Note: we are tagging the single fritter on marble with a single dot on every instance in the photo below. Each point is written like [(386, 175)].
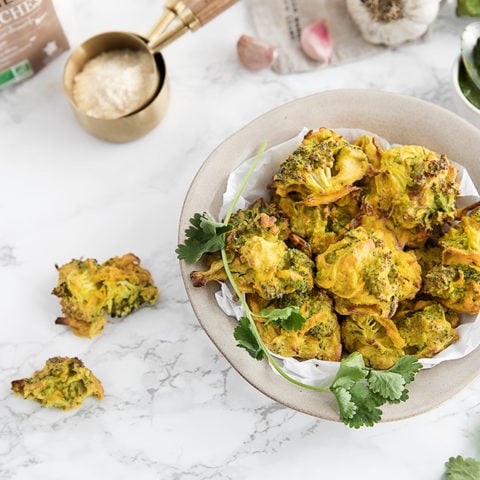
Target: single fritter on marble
[(62, 383), (90, 291)]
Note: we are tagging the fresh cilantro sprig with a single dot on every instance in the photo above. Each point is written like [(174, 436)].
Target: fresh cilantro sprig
[(360, 391), (459, 468), (204, 235), (288, 318)]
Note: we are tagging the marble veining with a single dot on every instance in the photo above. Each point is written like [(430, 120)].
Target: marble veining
[(174, 408)]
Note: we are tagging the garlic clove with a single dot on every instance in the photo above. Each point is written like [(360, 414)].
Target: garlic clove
[(316, 41), (254, 53)]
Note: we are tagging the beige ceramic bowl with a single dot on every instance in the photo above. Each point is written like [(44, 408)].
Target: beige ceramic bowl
[(462, 105), (398, 119)]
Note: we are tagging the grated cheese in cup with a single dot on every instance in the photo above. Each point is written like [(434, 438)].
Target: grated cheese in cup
[(113, 84)]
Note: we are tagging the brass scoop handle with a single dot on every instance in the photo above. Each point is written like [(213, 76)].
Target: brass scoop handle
[(189, 15), (206, 10)]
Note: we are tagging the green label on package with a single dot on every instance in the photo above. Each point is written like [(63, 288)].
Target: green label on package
[(18, 72)]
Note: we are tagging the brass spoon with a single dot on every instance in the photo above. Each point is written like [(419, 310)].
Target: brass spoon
[(184, 15)]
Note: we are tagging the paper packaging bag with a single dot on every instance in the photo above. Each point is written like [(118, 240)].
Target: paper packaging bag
[(30, 37), (280, 23)]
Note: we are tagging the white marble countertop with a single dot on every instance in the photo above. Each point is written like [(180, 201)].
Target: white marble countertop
[(174, 408)]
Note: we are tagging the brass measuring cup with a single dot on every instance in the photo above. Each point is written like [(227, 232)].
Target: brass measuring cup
[(179, 16)]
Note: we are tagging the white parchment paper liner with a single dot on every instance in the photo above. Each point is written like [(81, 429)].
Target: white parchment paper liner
[(320, 372)]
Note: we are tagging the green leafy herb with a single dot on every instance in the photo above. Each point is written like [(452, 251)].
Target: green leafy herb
[(459, 468), (246, 338), (203, 236), (287, 318), (360, 391)]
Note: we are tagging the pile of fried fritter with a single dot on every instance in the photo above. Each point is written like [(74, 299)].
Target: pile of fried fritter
[(367, 242)]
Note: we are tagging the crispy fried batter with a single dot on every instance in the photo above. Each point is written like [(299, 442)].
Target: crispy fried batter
[(415, 190), (90, 291), (376, 338), (62, 383), (425, 327), (320, 335), (323, 169), (366, 275)]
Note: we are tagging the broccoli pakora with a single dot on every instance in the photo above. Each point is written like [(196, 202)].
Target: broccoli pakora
[(415, 189), (461, 243), (319, 336), (375, 337), (90, 291), (323, 169), (421, 328), (367, 276), (259, 259), (451, 268), (426, 327), (454, 286), (320, 225), (62, 383)]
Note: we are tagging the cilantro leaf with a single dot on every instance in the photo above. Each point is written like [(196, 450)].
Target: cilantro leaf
[(288, 318), (203, 236), (367, 412), (459, 468), (407, 367), (360, 391), (246, 339), (346, 406), (389, 385), (352, 369)]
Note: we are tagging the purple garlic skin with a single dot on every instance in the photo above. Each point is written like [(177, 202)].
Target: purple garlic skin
[(316, 41), (255, 54)]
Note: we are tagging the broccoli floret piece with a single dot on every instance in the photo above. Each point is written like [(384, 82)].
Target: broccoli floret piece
[(322, 169), (63, 383), (89, 291)]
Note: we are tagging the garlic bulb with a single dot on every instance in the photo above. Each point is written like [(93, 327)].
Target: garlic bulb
[(255, 54), (393, 22)]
